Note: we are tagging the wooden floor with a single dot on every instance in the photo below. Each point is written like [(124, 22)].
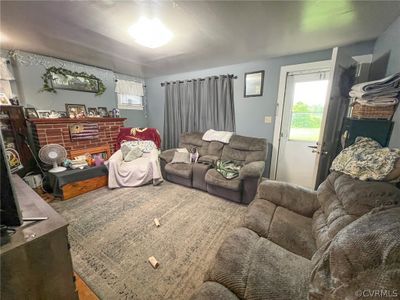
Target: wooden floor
[(84, 292)]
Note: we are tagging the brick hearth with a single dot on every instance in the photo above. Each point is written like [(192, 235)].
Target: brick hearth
[(56, 131)]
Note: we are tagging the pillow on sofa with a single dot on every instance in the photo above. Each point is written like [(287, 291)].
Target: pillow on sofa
[(181, 157), (125, 148), (130, 152), (133, 154), (144, 146)]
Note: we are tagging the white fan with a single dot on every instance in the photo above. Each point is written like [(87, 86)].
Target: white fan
[(53, 154)]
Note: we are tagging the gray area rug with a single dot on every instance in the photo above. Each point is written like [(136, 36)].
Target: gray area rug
[(112, 234)]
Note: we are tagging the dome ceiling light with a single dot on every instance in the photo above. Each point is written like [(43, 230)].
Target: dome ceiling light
[(150, 33)]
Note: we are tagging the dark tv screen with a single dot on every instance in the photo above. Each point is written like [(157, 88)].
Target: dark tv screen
[(10, 212)]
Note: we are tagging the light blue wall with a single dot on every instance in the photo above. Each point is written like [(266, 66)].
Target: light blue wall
[(249, 112), (29, 71), (390, 41)]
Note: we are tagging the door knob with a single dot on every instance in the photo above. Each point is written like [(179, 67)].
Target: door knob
[(313, 147)]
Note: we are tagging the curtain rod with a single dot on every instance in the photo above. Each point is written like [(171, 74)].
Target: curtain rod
[(201, 79)]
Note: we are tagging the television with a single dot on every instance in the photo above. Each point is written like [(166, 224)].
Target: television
[(9, 208)]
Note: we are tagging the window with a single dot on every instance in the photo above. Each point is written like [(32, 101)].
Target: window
[(307, 110), (130, 102), (130, 94)]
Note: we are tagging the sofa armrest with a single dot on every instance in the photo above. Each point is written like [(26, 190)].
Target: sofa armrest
[(293, 197), (167, 155), (253, 169)]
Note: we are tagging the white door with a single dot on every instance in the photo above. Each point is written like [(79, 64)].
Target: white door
[(303, 108)]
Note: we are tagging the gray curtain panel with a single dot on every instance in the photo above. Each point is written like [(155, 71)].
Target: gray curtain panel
[(198, 105)]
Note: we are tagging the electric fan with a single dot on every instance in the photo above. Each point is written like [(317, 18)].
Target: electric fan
[(53, 154)]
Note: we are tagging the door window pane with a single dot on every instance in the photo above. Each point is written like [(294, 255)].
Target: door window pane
[(307, 110)]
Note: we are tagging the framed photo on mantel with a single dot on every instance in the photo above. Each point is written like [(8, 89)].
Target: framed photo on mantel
[(254, 84)]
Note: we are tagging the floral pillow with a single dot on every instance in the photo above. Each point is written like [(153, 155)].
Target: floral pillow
[(144, 146), (130, 153)]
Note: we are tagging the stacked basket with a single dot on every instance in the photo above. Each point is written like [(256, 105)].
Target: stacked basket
[(376, 99)]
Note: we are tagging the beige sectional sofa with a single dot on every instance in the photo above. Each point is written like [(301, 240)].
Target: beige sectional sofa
[(248, 151), (341, 242)]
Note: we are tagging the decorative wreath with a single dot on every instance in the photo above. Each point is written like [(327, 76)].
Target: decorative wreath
[(47, 77)]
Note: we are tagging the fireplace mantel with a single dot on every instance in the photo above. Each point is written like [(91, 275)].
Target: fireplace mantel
[(68, 120), (56, 131)]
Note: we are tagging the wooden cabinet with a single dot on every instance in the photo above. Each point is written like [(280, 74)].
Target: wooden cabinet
[(15, 133), (379, 130), (36, 262)]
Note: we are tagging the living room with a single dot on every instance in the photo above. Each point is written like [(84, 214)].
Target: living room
[(200, 150)]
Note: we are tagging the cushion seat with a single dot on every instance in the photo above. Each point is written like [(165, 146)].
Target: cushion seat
[(182, 170), (292, 232), (281, 226), (215, 178), (215, 291), (211, 159), (259, 216), (255, 268)]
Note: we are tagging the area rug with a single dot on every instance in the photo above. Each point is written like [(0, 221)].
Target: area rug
[(112, 235)]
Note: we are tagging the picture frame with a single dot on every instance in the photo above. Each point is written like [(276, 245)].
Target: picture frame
[(76, 110), (4, 99), (92, 112), (43, 113), (102, 111), (74, 82), (254, 84), (31, 113), (62, 114)]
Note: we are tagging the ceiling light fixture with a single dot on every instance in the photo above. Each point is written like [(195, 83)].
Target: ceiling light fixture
[(150, 32)]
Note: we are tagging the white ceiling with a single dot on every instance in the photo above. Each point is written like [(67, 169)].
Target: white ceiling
[(206, 34)]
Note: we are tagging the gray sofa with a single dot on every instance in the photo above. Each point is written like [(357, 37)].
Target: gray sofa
[(341, 242), (248, 151)]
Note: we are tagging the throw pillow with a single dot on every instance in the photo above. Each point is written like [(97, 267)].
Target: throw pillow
[(181, 157), (145, 146), (125, 148), (133, 154)]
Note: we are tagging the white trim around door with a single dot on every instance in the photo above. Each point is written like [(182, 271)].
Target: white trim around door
[(285, 70)]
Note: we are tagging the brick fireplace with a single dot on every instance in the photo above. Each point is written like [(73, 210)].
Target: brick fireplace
[(56, 131)]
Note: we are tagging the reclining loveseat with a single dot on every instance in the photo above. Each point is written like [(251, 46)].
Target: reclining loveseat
[(246, 151)]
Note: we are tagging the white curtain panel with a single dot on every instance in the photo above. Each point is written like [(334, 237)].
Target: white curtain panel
[(129, 88)]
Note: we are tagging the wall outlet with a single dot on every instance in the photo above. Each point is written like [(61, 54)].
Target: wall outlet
[(268, 119)]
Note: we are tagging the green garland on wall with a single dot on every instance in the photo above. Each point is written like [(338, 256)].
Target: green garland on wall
[(47, 77)]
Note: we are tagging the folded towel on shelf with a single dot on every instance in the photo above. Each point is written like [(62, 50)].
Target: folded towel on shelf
[(387, 83), (383, 92), (378, 101), (390, 93)]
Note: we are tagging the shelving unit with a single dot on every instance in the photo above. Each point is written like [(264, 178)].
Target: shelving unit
[(15, 132)]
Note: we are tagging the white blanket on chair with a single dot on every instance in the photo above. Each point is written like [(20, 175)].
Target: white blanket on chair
[(134, 173)]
